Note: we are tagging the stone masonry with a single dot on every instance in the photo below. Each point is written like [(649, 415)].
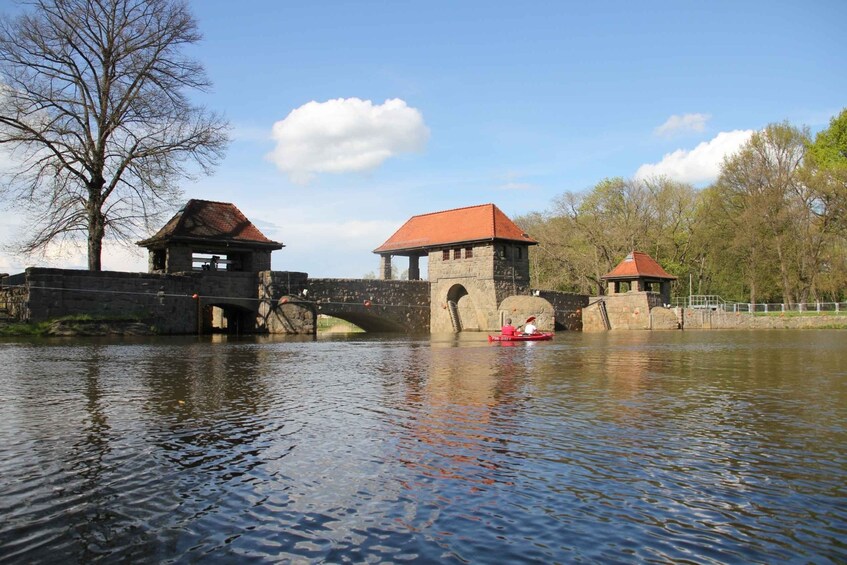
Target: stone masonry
[(477, 284)]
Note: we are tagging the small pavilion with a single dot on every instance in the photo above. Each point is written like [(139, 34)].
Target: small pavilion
[(209, 236), (639, 272)]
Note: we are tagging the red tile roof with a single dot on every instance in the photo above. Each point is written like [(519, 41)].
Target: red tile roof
[(203, 220), (461, 225), (638, 265)]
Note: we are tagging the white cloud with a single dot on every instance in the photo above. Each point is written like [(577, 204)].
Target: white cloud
[(680, 124), (699, 165), (344, 135)]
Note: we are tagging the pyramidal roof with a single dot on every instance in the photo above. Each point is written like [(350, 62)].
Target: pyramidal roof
[(204, 220), (638, 265), (485, 222)]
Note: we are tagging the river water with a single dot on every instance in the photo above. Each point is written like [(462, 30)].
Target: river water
[(702, 447)]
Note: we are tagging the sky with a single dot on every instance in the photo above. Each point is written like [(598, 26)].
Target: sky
[(350, 117)]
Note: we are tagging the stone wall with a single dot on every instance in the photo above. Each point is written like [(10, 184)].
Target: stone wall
[(374, 304), (12, 297), (477, 284), (567, 308), (520, 308), (284, 308), (629, 311), (706, 319), (162, 301)]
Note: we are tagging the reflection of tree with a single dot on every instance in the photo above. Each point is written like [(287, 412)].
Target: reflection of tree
[(90, 460), (212, 402)]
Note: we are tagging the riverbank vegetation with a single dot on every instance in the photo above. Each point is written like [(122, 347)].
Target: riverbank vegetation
[(78, 325), (771, 228), (330, 324)]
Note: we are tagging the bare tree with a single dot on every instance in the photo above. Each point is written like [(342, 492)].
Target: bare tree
[(93, 105)]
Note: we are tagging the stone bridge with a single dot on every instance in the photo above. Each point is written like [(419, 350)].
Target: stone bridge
[(291, 301), (202, 301), (374, 305)]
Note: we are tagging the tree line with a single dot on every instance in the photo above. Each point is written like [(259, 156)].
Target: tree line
[(771, 228)]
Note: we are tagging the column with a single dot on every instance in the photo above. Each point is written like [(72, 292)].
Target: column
[(385, 267), (414, 268)]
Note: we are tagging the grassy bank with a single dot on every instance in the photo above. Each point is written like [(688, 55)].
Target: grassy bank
[(804, 314), (336, 325), (82, 324)]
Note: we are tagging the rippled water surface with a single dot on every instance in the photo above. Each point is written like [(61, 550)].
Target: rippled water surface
[(623, 447)]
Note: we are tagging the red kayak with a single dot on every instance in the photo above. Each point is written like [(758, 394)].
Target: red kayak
[(544, 336)]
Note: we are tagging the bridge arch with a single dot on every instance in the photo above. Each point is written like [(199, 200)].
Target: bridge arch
[(227, 317), (292, 301), (369, 322)]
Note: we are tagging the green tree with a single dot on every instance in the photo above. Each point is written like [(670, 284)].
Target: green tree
[(587, 234), (93, 104), (826, 171), (825, 182), (760, 187)]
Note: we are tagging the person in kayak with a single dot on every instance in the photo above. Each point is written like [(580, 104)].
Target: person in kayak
[(530, 329), (508, 329)]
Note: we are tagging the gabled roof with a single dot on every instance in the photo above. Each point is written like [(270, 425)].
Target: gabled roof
[(213, 222), (638, 265), (461, 225)]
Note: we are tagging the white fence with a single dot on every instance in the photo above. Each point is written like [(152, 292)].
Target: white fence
[(712, 302)]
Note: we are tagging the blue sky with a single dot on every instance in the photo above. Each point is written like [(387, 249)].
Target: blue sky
[(350, 117)]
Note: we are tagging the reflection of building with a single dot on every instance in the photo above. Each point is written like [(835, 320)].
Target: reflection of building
[(210, 236), (457, 402), (477, 257)]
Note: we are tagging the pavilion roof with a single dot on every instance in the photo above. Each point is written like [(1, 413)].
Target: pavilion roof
[(638, 265), (214, 222), (485, 222)]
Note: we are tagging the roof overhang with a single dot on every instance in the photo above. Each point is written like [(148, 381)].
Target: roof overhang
[(424, 249), (637, 277), (210, 243)]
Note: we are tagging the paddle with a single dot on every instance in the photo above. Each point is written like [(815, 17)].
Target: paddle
[(528, 320)]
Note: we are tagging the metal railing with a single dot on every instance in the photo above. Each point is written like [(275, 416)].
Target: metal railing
[(800, 308), (714, 302)]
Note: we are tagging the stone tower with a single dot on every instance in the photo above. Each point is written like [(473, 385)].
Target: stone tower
[(477, 257)]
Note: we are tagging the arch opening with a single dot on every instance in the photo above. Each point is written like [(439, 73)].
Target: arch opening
[(228, 319), (366, 321), (462, 311)]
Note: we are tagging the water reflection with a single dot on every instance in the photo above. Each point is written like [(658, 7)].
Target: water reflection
[(635, 446)]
